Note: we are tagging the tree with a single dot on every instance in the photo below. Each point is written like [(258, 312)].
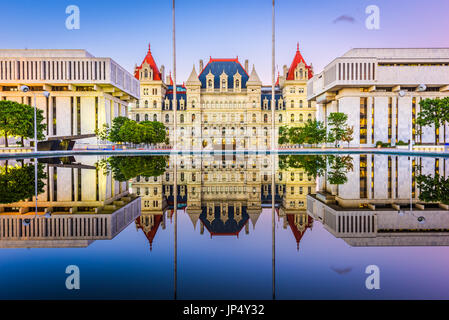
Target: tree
[(126, 168), (127, 130), (314, 132), (296, 135), (103, 133), (17, 183), (337, 124), (17, 120), (313, 165), (116, 133), (433, 189), (433, 112), (283, 135), (348, 135), (339, 168)]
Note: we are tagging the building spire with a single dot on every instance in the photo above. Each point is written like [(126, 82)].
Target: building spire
[(149, 47), (297, 46)]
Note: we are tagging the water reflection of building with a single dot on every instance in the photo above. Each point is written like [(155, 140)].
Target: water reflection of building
[(79, 204), (379, 204), (225, 194)]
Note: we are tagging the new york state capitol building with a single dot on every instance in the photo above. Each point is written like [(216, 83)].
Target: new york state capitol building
[(225, 106)]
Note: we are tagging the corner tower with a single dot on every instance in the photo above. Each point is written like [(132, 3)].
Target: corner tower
[(152, 90)]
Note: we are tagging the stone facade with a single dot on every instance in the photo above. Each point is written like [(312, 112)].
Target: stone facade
[(225, 106)]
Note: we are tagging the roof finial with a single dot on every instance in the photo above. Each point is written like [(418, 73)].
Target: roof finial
[(149, 47), (297, 46)]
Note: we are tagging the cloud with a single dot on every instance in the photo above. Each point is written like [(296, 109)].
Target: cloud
[(342, 271), (345, 18)]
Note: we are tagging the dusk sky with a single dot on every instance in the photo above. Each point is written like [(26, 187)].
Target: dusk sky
[(223, 29)]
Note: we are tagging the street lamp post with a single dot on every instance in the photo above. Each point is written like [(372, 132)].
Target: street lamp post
[(46, 94)]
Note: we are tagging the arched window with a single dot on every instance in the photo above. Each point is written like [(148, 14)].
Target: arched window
[(280, 118), (300, 103), (146, 117), (254, 117), (265, 118), (254, 103), (193, 103), (154, 104), (301, 73), (301, 118), (292, 118), (155, 117), (193, 117), (146, 103), (292, 104), (167, 118), (181, 118), (210, 83), (237, 83), (146, 73), (309, 116), (223, 83), (137, 117)]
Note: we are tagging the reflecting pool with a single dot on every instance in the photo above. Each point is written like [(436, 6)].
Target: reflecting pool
[(225, 226)]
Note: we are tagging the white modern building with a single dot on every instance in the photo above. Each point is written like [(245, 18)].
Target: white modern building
[(380, 90), (379, 203), (85, 92), (79, 203)]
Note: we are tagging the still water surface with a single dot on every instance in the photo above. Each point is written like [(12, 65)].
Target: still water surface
[(323, 218)]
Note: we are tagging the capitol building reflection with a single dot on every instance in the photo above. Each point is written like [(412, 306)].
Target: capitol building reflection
[(365, 200), (225, 194)]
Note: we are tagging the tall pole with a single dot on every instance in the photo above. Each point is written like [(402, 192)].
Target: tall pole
[(175, 226), (175, 162), (273, 184), (175, 104), (273, 70), (35, 186), (35, 124)]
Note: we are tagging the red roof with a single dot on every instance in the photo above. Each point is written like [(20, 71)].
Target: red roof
[(296, 60), (152, 233), (150, 61), (298, 234)]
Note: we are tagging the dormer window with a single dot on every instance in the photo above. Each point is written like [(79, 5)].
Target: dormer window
[(210, 81), (265, 104), (145, 73), (237, 82), (224, 82)]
